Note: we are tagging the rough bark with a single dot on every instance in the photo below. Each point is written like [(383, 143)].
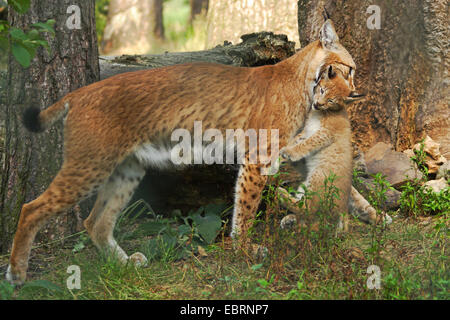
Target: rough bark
[(255, 50), (30, 160), (141, 19), (404, 67), (228, 20)]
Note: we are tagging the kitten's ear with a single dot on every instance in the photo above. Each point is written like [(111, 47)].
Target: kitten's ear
[(328, 36)]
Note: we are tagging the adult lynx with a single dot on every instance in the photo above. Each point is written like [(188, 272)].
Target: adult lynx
[(117, 127)]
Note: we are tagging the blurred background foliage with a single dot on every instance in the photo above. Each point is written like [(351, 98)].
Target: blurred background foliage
[(183, 30)]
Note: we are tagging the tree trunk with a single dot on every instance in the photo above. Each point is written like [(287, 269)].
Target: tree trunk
[(403, 66), (228, 20), (198, 7), (133, 27), (158, 31), (31, 161)]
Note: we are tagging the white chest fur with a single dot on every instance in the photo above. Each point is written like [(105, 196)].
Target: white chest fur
[(312, 125)]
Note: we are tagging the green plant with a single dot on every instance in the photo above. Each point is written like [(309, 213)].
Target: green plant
[(23, 44), (417, 200), (6, 290), (420, 157), (101, 16), (172, 241), (377, 198)]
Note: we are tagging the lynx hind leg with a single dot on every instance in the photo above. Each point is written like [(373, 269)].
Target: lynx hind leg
[(361, 209), (111, 200), (249, 186), (70, 186)]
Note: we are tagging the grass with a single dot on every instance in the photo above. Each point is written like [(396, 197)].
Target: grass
[(413, 266), (190, 262)]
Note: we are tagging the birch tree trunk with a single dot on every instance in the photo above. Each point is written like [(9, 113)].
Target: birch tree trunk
[(228, 20), (404, 66), (31, 161)]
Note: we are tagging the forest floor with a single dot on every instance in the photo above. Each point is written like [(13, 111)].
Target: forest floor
[(410, 253)]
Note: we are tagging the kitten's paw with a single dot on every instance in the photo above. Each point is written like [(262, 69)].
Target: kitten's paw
[(383, 218), (387, 219), (288, 222), (288, 155), (138, 259)]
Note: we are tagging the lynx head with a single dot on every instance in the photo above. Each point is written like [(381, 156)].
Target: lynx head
[(331, 53), (334, 89)]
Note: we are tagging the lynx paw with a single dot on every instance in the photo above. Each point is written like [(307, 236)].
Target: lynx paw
[(138, 259), (288, 155), (288, 222), (12, 278), (387, 219)]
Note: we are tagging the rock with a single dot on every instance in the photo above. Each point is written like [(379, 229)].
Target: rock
[(444, 171), (409, 152), (430, 147), (437, 185), (377, 151), (392, 196), (434, 158), (359, 161), (434, 165), (396, 166)]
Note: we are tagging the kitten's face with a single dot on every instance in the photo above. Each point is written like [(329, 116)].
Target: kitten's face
[(335, 89)]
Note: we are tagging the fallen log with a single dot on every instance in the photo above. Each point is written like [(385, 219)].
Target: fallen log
[(256, 49)]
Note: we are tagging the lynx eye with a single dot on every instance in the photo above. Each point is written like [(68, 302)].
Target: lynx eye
[(322, 91)]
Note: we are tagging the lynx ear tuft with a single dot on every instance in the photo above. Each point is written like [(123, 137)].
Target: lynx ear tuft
[(328, 36)]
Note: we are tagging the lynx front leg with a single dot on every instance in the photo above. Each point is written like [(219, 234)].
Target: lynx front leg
[(302, 148), (249, 187)]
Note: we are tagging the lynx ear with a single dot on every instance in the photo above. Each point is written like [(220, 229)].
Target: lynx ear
[(328, 36)]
